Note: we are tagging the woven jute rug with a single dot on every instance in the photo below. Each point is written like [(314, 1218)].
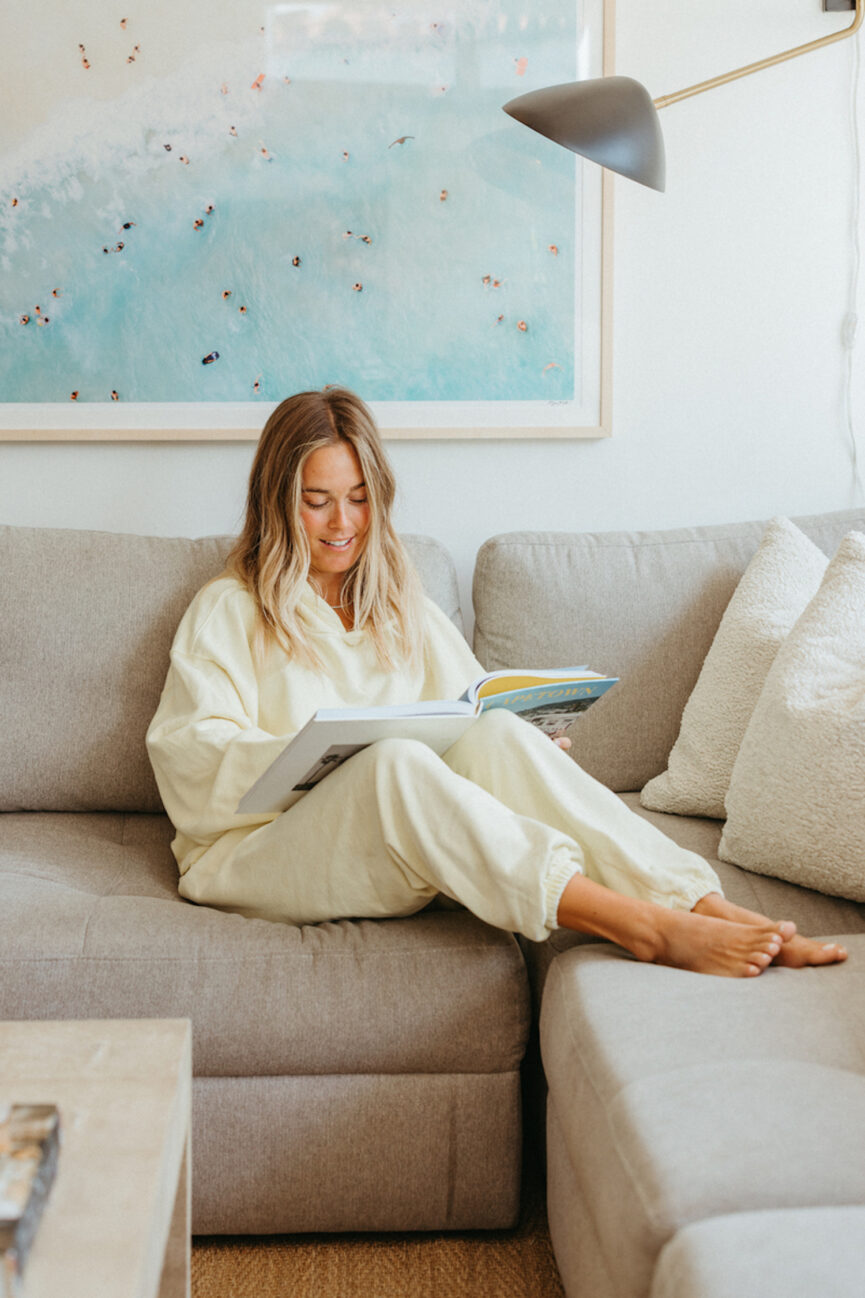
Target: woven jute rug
[(495, 1264)]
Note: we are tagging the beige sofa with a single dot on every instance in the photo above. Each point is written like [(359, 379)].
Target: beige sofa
[(687, 1116), (347, 1076), (366, 1075)]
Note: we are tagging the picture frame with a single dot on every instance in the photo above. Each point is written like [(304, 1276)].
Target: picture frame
[(509, 179)]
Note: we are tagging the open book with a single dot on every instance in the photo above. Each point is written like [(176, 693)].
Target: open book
[(548, 699)]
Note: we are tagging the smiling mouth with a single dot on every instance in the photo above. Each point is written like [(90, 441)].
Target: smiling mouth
[(338, 545)]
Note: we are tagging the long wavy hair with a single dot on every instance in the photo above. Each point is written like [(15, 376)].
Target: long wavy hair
[(272, 555)]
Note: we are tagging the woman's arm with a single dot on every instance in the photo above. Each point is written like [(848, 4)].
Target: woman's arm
[(205, 748)]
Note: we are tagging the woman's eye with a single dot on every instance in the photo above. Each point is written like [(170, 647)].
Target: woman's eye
[(358, 502)]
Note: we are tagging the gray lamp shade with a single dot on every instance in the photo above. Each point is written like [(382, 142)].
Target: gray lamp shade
[(611, 121)]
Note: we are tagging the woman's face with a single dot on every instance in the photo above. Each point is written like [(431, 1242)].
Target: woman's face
[(335, 514)]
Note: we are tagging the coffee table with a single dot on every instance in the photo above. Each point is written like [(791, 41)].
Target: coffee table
[(116, 1223)]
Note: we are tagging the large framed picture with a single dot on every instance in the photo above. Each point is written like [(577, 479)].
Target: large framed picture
[(204, 210)]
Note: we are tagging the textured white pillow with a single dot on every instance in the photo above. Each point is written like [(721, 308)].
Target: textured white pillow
[(796, 805), (774, 589)]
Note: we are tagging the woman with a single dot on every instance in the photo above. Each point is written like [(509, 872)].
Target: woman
[(319, 607)]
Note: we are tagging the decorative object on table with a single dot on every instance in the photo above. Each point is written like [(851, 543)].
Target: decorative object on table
[(29, 1143), (613, 120)]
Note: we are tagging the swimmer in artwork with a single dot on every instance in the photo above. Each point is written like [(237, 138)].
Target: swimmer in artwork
[(402, 139), (295, 261), (210, 358)]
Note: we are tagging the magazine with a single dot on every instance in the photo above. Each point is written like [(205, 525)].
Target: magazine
[(549, 699)]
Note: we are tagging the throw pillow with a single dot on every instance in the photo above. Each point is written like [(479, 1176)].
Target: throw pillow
[(774, 589), (796, 804)]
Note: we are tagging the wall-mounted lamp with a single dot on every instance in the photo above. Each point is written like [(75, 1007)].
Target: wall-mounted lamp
[(614, 121)]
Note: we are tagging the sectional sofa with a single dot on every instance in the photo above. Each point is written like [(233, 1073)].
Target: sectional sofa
[(370, 1075)]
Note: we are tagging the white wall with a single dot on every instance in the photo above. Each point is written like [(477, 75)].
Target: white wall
[(730, 294)]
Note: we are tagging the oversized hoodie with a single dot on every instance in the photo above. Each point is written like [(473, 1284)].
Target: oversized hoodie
[(224, 716)]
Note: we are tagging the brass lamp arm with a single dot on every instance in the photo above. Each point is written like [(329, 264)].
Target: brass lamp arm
[(665, 100)]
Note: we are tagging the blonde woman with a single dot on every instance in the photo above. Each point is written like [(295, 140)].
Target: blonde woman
[(319, 607)]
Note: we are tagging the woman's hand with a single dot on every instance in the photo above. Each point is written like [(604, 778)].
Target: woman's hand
[(560, 739)]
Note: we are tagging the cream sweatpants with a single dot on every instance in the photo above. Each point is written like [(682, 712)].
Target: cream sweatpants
[(500, 823)]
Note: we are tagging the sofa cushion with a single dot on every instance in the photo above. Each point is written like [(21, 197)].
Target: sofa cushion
[(681, 1096), (643, 606), (796, 804), (778, 583), (797, 1253), (91, 926), (88, 619)]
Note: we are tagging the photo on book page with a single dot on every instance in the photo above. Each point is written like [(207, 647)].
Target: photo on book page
[(329, 761), (556, 717)]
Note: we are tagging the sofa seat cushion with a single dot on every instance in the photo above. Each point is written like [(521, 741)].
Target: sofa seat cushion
[(91, 926), (814, 913), (681, 1096), (796, 1253)]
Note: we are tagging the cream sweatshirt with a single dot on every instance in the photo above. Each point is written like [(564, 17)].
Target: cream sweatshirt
[(223, 717)]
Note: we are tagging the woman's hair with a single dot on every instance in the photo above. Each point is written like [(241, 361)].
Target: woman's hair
[(272, 556)]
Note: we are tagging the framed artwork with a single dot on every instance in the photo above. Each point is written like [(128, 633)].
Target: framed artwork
[(204, 210)]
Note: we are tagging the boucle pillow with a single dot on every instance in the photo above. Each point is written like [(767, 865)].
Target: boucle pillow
[(782, 577), (796, 804)]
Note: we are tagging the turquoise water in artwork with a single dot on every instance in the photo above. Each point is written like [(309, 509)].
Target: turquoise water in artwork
[(342, 200)]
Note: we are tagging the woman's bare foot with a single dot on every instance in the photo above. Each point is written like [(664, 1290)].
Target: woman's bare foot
[(796, 952), (681, 938), (715, 946)]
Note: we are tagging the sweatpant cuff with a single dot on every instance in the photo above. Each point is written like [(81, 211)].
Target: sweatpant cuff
[(562, 869), (688, 897)]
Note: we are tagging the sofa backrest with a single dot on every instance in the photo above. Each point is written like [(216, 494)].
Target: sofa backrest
[(86, 623), (643, 606)]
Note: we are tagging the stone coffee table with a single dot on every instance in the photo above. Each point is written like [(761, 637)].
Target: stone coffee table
[(116, 1222)]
